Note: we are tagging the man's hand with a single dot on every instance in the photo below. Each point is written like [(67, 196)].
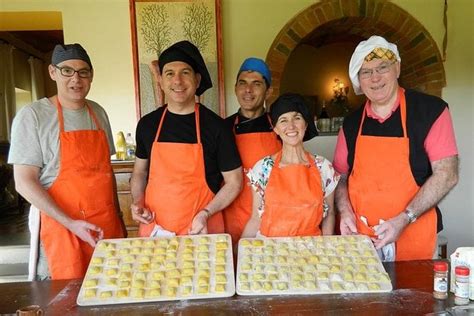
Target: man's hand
[(347, 224), (343, 204), (141, 214), (86, 231), (199, 224), (390, 230), (138, 183)]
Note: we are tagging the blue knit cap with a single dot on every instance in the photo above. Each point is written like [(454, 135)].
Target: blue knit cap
[(258, 65)]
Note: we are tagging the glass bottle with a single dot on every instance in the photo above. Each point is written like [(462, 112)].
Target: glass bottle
[(120, 146), (440, 281), (130, 147), (461, 290), (324, 122), (324, 113)]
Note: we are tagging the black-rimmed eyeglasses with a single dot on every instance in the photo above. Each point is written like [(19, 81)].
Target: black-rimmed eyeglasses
[(69, 72)]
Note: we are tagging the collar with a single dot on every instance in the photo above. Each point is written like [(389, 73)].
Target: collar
[(242, 119), (371, 113)]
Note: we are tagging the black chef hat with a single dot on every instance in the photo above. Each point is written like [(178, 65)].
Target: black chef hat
[(292, 102), (186, 52), (63, 52)]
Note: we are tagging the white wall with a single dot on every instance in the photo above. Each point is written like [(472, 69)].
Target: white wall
[(458, 206), (322, 145)]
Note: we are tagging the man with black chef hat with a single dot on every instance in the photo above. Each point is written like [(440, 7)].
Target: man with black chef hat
[(187, 166)]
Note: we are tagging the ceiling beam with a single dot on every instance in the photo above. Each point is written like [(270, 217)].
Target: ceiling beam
[(21, 45)]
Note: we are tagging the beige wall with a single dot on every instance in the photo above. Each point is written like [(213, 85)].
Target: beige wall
[(103, 28), (249, 27)]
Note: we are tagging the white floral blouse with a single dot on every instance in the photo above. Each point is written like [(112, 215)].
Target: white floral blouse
[(259, 175)]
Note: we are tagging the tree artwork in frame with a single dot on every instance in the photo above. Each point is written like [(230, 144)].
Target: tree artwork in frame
[(156, 25)]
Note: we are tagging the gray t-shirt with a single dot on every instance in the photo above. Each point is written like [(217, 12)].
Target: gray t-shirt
[(35, 135)]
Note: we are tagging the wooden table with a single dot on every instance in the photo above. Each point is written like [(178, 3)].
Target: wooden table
[(411, 295)]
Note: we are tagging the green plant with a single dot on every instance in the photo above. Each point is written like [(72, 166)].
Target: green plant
[(155, 29), (197, 24)]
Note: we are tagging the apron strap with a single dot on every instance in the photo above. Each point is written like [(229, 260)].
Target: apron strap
[(236, 121), (61, 115), (403, 110), (278, 158), (401, 97), (94, 117), (279, 155), (196, 116)]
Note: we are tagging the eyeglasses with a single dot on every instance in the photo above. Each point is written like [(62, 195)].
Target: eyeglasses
[(69, 72), (367, 73)]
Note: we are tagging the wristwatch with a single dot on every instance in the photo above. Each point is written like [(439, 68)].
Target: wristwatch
[(411, 216)]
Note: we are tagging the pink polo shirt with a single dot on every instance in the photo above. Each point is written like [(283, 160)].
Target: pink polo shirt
[(439, 143)]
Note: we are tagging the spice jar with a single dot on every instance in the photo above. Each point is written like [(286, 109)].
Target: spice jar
[(440, 280), (461, 285)]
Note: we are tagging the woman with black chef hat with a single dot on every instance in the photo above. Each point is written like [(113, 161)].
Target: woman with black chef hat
[(293, 189)]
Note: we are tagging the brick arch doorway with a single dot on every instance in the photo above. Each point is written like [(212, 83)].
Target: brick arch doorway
[(422, 65)]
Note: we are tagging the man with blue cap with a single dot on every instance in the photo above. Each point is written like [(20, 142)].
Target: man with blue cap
[(187, 167), (254, 135), (60, 149)]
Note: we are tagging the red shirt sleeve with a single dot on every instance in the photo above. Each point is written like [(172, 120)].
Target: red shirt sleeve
[(440, 142), (340, 154)]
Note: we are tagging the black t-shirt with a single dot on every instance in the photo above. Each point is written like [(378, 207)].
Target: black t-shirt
[(422, 111), (259, 124), (220, 151)]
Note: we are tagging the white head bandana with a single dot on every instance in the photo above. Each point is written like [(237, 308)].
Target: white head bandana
[(362, 50)]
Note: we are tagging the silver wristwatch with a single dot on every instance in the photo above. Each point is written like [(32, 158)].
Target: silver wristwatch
[(411, 216)]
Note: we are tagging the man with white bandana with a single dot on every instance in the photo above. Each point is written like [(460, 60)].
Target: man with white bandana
[(397, 156)]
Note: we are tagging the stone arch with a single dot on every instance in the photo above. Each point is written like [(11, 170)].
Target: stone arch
[(422, 65)]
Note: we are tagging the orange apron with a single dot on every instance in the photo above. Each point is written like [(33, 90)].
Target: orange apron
[(293, 200), (177, 189), (84, 191), (381, 185), (252, 147)]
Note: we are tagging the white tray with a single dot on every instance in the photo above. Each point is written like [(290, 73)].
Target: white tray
[(133, 270), (309, 265)]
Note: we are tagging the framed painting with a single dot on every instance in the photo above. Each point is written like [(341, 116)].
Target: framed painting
[(156, 25)]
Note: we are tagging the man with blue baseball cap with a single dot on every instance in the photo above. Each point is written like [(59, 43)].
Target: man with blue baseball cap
[(253, 134)]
